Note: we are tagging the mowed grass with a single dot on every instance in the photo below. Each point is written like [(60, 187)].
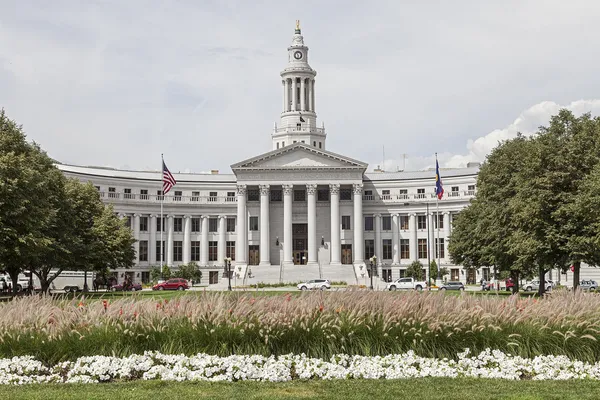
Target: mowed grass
[(427, 388)]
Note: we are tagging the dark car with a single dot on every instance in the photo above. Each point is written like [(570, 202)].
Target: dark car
[(453, 286), (172, 284), (119, 287)]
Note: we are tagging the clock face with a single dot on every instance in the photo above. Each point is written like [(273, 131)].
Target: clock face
[(298, 55)]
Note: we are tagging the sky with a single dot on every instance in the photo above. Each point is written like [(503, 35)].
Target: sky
[(116, 83)]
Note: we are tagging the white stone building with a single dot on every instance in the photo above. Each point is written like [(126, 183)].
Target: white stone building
[(296, 212)]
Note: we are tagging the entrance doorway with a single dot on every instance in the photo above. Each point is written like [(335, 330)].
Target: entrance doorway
[(299, 243), (253, 255), (346, 254), (386, 274)]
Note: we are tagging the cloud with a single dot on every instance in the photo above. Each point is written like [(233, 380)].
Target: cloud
[(526, 123)]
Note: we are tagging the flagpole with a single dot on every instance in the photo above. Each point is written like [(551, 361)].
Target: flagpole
[(162, 198), (437, 223)]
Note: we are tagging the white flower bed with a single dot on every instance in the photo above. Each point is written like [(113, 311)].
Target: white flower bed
[(152, 365)]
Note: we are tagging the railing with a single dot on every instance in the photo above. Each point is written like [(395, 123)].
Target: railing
[(418, 197), (301, 128), (151, 198)]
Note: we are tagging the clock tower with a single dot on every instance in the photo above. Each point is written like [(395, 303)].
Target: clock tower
[(298, 122)]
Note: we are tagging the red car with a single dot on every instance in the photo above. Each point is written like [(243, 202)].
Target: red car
[(172, 284), (509, 284)]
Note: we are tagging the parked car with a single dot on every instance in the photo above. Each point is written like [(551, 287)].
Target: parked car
[(315, 284), (452, 285), (588, 285), (535, 285), (406, 284), (119, 287), (172, 284), (510, 284)]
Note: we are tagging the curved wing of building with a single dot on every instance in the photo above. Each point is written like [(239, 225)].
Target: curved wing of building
[(296, 212)]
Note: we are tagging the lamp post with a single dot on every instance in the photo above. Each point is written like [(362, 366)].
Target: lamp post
[(373, 261), (228, 269)]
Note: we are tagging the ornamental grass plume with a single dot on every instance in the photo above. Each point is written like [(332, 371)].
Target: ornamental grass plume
[(317, 324)]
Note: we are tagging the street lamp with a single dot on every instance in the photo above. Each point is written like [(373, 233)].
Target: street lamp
[(228, 269), (373, 261)]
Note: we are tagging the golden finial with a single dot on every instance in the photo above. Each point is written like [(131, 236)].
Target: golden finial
[(297, 24)]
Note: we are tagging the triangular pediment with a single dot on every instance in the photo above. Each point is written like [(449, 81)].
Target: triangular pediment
[(299, 156)]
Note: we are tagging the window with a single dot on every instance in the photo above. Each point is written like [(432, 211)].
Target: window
[(277, 145), (127, 194), (196, 224), (345, 222), (385, 194), (144, 194), (128, 221), (177, 195), (404, 222), (143, 224), (440, 247), (386, 222), (322, 194), (420, 193), (230, 224), (368, 223), (212, 196), (253, 195), (298, 127), (230, 250), (422, 247), (159, 251), (422, 221), (454, 191), (314, 143), (213, 224), (470, 190), (160, 224), (387, 249), (404, 249), (253, 226), (177, 250), (276, 195), (345, 194), (97, 188), (282, 144), (112, 192), (368, 195), (159, 195), (212, 251), (143, 256), (369, 248), (145, 277), (320, 145), (195, 250), (178, 224), (299, 195), (403, 194), (439, 220), (230, 196), (195, 196)]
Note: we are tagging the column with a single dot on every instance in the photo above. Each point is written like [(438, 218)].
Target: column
[(170, 240), (294, 97), (378, 243), (241, 247), (187, 239), (302, 95), (336, 252), (265, 249), (310, 95), (446, 234), (431, 237), (313, 95), (395, 240), (412, 228), (311, 191), (288, 191), (359, 242), (152, 244), (222, 243), (204, 241), (283, 83), (136, 236)]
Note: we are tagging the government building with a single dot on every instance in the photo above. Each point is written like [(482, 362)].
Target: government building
[(298, 211)]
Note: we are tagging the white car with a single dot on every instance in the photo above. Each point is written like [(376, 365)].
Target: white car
[(406, 284), (534, 285), (315, 284)]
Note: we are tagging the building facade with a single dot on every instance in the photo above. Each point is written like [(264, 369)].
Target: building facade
[(296, 212)]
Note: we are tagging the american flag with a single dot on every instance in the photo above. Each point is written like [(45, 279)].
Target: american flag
[(167, 178)]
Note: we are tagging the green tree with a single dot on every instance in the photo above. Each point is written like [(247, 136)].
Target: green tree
[(415, 270), (189, 271)]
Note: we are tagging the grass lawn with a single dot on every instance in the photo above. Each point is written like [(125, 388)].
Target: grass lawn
[(429, 388)]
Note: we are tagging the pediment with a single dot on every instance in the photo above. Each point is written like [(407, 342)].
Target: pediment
[(299, 156)]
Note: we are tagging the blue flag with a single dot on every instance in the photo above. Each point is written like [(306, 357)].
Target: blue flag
[(439, 189)]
